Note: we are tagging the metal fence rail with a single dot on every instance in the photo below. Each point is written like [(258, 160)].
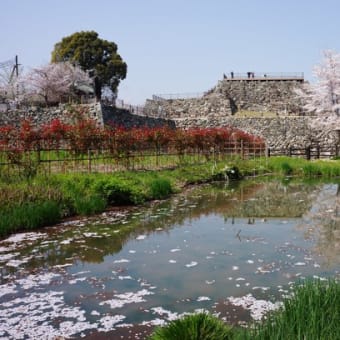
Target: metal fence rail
[(265, 75), (65, 159), (135, 109), (93, 156), (169, 96)]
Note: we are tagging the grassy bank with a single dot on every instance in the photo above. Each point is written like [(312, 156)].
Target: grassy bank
[(312, 312), (26, 205), (288, 166), (45, 200)]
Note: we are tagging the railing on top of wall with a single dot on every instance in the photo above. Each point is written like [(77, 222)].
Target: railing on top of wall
[(168, 96), (264, 75), (134, 109)]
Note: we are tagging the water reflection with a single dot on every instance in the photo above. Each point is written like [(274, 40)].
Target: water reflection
[(152, 263), (321, 223), (92, 239)]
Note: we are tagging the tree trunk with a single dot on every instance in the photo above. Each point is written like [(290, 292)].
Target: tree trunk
[(97, 88)]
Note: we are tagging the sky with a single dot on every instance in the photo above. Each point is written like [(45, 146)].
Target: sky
[(178, 46)]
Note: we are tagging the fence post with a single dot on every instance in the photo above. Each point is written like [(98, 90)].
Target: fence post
[(89, 160), (308, 153), (318, 151), (242, 150), (49, 160), (267, 151)]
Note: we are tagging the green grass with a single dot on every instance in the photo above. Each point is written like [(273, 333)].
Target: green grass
[(200, 326), (45, 199), (29, 216), (311, 170), (90, 193), (160, 188), (303, 168), (312, 312), (89, 204)]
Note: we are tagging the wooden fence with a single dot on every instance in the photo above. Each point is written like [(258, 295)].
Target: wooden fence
[(309, 152)]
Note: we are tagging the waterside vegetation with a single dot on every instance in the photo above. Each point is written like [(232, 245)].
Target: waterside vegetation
[(32, 203), (312, 311)]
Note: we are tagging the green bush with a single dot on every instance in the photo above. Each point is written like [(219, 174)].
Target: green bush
[(119, 191), (200, 326), (227, 173), (160, 188), (286, 169)]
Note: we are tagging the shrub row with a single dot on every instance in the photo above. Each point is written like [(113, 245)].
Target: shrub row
[(84, 134)]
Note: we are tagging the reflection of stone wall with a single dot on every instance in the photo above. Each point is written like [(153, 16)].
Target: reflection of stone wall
[(245, 199), (273, 199)]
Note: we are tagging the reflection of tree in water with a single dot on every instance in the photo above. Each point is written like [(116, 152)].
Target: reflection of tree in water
[(322, 223)]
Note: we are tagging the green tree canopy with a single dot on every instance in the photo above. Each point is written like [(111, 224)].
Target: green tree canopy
[(97, 56)]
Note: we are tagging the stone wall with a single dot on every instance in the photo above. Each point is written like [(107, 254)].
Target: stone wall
[(207, 106), (283, 126), (43, 115), (261, 95), (103, 114), (231, 96), (278, 132), (121, 117)]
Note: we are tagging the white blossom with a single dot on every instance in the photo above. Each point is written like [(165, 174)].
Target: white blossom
[(53, 82), (322, 98)]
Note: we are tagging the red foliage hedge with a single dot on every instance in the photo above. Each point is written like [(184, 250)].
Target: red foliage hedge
[(85, 134)]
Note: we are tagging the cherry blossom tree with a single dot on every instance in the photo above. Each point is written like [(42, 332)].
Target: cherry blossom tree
[(54, 82), (322, 98)]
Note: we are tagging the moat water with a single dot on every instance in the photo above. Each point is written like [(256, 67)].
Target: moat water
[(233, 250)]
